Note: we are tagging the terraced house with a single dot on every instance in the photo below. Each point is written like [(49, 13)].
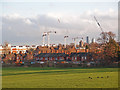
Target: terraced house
[(74, 57)]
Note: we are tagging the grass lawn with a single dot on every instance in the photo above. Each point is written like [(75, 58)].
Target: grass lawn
[(29, 77)]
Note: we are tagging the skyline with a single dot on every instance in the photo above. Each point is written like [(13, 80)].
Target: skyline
[(26, 22)]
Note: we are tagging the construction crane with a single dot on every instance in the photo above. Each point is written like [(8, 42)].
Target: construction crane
[(48, 36), (104, 37), (74, 39), (43, 36), (65, 37), (98, 24)]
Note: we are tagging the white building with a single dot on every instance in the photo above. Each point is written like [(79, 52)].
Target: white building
[(1, 48), (17, 49)]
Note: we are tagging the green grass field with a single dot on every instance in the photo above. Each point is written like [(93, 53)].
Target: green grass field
[(29, 77)]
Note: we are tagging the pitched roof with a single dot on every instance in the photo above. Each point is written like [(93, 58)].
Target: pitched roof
[(51, 55), (78, 54)]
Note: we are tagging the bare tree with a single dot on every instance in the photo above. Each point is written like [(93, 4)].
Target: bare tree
[(111, 35), (105, 37), (6, 49)]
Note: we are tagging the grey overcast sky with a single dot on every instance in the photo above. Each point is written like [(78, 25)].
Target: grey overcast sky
[(24, 22)]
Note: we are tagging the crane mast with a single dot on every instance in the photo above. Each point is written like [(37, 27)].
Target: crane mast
[(74, 39), (65, 37), (43, 36)]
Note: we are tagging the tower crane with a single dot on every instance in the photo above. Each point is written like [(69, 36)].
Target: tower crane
[(48, 33), (104, 37), (98, 24), (65, 37)]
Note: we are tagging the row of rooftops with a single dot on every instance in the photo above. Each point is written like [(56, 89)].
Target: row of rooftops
[(35, 46), (9, 45), (60, 54)]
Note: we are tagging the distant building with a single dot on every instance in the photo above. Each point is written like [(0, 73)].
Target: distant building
[(5, 49), (17, 49), (93, 40), (81, 43), (1, 49), (87, 39)]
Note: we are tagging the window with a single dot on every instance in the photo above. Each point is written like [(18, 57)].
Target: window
[(37, 59), (41, 58), (61, 58), (67, 58), (72, 58), (75, 58), (50, 58), (46, 58), (82, 58)]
